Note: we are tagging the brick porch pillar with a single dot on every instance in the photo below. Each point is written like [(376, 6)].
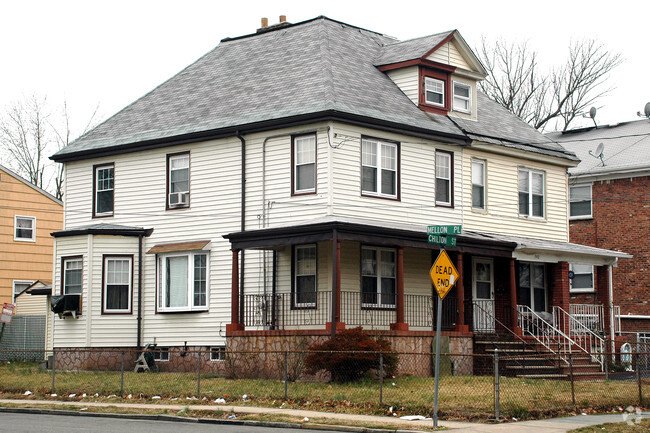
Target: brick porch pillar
[(602, 296), (335, 322), (400, 324), (560, 295), (235, 324)]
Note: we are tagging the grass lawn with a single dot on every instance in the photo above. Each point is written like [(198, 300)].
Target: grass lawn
[(461, 397), (622, 427)]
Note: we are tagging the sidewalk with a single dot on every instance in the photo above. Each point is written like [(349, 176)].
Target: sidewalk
[(555, 425)]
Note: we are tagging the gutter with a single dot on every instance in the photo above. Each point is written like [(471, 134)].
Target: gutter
[(242, 223), (267, 125), (139, 339)]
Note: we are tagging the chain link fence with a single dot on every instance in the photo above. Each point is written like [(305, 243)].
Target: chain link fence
[(471, 386)]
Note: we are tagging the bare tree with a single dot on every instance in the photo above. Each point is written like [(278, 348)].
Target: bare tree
[(515, 80), (29, 134), (23, 134)]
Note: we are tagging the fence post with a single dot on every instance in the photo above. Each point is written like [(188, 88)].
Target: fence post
[(381, 379), (53, 368), (573, 393), (638, 377), (122, 375), (497, 400), (605, 362), (286, 388), (198, 373)]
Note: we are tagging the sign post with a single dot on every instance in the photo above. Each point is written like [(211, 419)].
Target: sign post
[(444, 276), (7, 313)]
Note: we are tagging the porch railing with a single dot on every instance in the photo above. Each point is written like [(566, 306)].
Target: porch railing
[(582, 336), (556, 341), (593, 316), (285, 311)]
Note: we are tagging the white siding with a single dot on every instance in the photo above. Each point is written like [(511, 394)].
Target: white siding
[(408, 82), (502, 214), (31, 305), (449, 55), (417, 181)]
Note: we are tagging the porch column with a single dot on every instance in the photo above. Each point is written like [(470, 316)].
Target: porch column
[(400, 324), (235, 324), (601, 284), (460, 296), (336, 287), (513, 298)]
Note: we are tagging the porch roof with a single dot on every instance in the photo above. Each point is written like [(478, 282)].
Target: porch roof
[(378, 232)]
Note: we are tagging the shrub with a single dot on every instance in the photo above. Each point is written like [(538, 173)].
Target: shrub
[(350, 355)]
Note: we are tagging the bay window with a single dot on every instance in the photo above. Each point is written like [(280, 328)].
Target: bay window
[(118, 284), (71, 281)]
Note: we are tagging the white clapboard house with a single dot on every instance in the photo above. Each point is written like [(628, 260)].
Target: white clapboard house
[(279, 189)]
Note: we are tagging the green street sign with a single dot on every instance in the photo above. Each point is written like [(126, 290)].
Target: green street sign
[(449, 230), (449, 241)]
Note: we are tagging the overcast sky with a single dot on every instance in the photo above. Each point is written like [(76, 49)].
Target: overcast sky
[(110, 53)]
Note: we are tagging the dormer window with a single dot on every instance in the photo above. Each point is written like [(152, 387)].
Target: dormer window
[(434, 91), (462, 98)]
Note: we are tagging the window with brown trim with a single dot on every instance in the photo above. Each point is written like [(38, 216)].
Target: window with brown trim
[(303, 156), (103, 190), (117, 287), (71, 275), (178, 180), (304, 276), (379, 168), (444, 178), (435, 91)]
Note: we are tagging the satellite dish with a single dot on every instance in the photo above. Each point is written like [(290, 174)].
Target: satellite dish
[(599, 153), (647, 109), (592, 112)]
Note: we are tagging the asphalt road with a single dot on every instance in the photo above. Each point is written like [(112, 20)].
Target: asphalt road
[(39, 423)]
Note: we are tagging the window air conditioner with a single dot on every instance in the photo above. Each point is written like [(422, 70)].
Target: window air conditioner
[(179, 199), (66, 305)]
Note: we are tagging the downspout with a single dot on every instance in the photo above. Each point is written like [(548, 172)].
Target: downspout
[(139, 339), (611, 310), (242, 226)]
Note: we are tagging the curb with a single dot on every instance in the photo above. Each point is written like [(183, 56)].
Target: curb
[(190, 420)]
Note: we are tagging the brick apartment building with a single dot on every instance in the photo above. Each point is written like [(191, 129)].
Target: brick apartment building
[(610, 208)]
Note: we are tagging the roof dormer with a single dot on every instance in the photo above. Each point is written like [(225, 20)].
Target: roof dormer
[(439, 73)]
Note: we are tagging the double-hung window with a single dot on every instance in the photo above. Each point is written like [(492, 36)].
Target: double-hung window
[(434, 92), (532, 286), (531, 193), (305, 276), (580, 201), (379, 168), (72, 272), (24, 228), (183, 281), (583, 278), (478, 184), (378, 277), (178, 180), (20, 287), (462, 98), (104, 190), (444, 178), (118, 284), (304, 164)]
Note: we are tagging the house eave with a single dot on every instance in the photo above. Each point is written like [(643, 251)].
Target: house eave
[(329, 115)]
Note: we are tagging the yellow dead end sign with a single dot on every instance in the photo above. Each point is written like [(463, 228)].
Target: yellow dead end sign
[(443, 274)]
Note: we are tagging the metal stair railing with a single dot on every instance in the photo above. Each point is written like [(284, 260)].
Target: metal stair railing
[(545, 333), (586, 340)]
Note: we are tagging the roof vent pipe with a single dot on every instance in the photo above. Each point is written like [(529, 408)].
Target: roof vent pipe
[(265, 23)]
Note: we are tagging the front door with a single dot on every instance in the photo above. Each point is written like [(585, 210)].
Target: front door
[(483, 294)]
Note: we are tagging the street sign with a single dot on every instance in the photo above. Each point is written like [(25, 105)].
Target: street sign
[(7, 313), (443, 274), (449, 241), (445, 230)]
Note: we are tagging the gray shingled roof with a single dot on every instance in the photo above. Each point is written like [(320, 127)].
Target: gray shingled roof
[(626, 148), (497, 125), (311, 68), (402, 51)]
